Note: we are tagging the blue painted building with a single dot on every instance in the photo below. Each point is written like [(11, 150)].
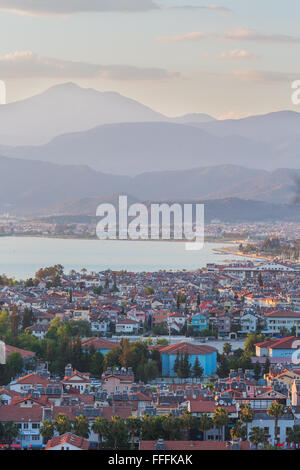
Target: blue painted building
[(98, 344), (207, 357), (283, 348), (199, 322)]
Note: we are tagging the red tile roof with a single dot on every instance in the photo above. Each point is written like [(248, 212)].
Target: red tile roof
[(205, 406), (17, 414), (282, 343), (33, 379), (108, 412), (99, 343), (187, 348), (25, 354), (66, 439), (282, 314)]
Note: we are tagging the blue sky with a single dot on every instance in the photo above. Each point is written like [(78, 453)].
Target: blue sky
[(226, 58)]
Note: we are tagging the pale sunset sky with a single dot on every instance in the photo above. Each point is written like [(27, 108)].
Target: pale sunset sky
[(227, 58)]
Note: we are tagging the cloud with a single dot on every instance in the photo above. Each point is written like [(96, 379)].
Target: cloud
[(67, 7), (265, 75), (29, 65), (216, 8), (189, 37), (237, 54), (235, 35), (253, 35)]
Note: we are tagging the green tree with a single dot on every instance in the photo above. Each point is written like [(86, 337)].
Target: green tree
[(99, 427), (276, 410), (250, 341), (149, 290), (50, 272), (257, 436), (47, 430), (293, 434), (186, 367), (257, 370), (15, 321), (151, 371), (223, 368), (98, 290), (134, 427), (238, 431), (28, 318), (10, 432), (14, 364), (96, 364), (188, 422), (227, 348), (267, 365), (116, 434), (205, 423), (62, 424), (81, 426), (197, 370), (4, 325), (220, 419), (246, 416), (171, 426)]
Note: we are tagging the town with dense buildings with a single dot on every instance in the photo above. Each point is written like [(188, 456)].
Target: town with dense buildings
[(166, 360)]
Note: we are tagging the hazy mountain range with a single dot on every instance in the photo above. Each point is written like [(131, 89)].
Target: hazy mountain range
[(69, 108), (39, 187), (110, 133), (69, 147)]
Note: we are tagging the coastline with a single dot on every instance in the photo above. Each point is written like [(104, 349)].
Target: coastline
[(91, 238), (231, 251)]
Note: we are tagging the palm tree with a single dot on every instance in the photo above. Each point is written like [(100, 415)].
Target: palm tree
[(257, 436), (62, 424), (293, 434), (188, 422), (246, 416), (171, 427), (238, 431), (118, 433), (227, 348), (98, 427), (47, 430), (134, 426), (276, 410), (81, 426), (220, 419), (205, 424), (10, 432)]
